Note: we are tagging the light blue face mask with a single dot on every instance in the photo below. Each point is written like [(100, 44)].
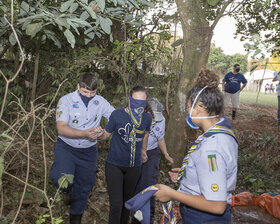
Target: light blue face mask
[(189, 116)]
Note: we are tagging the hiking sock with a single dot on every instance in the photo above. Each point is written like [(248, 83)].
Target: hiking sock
[(233, 114), (75, 219)]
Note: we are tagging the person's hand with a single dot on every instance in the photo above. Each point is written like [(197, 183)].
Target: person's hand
[(164, 193), (174, 174), (144, 157), (169, 159), (94, 133)]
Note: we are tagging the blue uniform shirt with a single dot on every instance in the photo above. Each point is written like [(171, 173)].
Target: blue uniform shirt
[(233, 82), (156, 134), (72, 110), (212, 169), (120, 147)]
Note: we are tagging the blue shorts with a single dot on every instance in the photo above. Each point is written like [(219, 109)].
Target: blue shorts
[(194, 216)]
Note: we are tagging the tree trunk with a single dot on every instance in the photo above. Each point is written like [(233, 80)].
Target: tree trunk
[(197, 40), (36, 69)]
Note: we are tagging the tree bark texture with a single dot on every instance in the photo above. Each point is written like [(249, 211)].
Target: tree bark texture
[(197, 40)]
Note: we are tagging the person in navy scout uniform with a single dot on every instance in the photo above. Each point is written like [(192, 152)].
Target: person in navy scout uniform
[(156, 147), (78, 117), (232, 88), (130, 127), (209, 169)]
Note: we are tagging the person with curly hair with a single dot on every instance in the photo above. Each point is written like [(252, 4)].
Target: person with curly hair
[(209, 169)]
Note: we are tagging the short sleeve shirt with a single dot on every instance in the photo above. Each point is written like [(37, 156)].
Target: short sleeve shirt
[(72, 110), (156, 134), (212, 169), (120, 147), (233, 82)]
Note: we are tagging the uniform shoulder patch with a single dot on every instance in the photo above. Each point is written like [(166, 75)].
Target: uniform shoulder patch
[(212, 162)]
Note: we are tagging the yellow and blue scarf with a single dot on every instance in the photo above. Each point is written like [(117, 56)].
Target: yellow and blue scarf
[(221, 127)]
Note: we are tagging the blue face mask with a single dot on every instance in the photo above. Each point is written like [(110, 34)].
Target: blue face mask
[(190, 122), (86, 99), (137, 107), (189, 116)]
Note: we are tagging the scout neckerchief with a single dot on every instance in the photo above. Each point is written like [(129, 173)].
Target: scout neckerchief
[(135, 124), (221, 127), (140, 206)]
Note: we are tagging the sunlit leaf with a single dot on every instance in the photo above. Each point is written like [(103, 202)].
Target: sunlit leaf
[(177, 43), (101, 4), (70, 37), (12, 39), (213, 2), (33, 28), (65, 6), (73, 7), (105, 24), (24, 6)]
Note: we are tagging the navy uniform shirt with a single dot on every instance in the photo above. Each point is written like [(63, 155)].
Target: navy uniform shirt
[(120, 147), (72, 110), (233, 82)]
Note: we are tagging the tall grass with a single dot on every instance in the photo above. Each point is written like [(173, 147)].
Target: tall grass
[(269, 100)]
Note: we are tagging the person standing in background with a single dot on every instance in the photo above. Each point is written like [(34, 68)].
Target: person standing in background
[(277, 78), (232, 88)]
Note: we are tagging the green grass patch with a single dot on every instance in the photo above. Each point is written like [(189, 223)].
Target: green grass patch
[(269, 100)]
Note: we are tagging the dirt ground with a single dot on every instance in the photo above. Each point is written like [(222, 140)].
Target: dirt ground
[(259, 161)]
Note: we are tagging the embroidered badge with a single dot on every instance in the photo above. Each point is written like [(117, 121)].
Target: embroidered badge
[(96, 102), (76, 104), (212, 163), (75, 122), (215, 187), (139, 110), (58, 113)]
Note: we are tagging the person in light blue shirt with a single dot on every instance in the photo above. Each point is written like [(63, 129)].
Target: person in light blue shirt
[(78, 116), (277, 78), (232, 88), (208, 173), (156, 147)]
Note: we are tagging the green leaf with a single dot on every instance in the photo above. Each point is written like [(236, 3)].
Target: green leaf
[(90, 11), (51, 35), (149, 4), (73, 25), (62, 22), (24, 6), (4, 8), (81, 22), (1, 169), (65, 6), (73, 7), (213, 2), (12, 39), (101, 4), (65, 180), (28, 195), (33, 28), (84, 1), (70, 37), (84, 16), (105, 24), (177, 43)]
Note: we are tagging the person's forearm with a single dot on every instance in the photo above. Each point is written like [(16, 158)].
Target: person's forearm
[(145, 142), (162, 147), (243, 86), (68, 132), (199, 202)]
